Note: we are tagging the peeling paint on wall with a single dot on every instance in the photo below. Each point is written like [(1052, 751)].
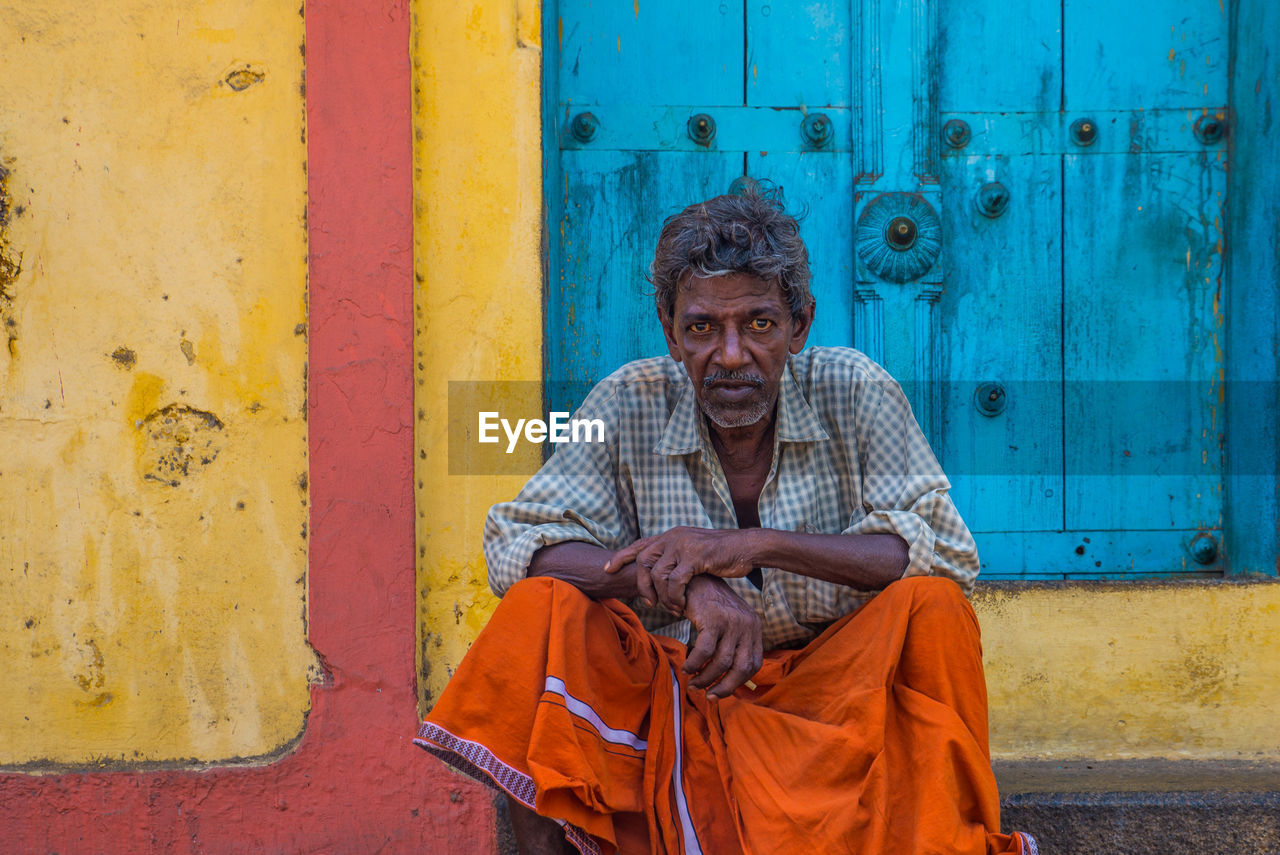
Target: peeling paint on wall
[(243, 77), (180, 441), (10, 265)]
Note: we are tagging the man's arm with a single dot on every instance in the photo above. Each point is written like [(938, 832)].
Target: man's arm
[(574, 499), (867, 562), (579, 564), (904, 490), (662, 566)]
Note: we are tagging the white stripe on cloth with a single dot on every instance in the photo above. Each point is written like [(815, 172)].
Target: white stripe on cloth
[(583, 710), (691, 846)]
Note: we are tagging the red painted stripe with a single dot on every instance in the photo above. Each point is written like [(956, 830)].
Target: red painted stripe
[(355, 783)]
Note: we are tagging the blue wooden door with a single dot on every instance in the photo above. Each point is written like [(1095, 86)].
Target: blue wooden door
[(1017, 208)]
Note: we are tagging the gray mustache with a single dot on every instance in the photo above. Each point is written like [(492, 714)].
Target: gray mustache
[(732, 377)]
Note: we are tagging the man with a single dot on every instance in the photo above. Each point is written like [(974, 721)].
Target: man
[(691, 654)]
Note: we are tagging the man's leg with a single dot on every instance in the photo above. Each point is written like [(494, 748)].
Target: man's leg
[(552, 704), (537, 835), (873, 738), (942, 653)]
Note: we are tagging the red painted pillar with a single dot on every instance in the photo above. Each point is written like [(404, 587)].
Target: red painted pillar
[(354, 783)]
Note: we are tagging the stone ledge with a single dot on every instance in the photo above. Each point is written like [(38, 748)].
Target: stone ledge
[(1021, 777), (1144, 807)]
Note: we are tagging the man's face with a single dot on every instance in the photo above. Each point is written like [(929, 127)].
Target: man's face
[(733, 333)]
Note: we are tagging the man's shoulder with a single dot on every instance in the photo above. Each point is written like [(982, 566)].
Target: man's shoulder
[(656, 381), (652, 369), (819, 365)]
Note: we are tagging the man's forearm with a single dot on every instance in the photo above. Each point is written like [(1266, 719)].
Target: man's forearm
[(582, 565), (867, 562), (668, 561)]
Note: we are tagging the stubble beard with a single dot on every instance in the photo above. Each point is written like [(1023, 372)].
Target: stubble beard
[(751, 411), (727, 418)]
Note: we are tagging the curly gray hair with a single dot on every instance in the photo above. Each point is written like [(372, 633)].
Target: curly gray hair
[(748, 233)]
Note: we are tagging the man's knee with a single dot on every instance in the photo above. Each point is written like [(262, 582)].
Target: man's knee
[(531, 587), (534, 590), (561, 602), (927, 587), (932, 598)]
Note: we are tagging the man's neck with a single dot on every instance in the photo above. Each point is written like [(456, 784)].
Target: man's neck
[(743, 449)]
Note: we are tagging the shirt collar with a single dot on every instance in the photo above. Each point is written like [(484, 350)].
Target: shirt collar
[(797, 422)]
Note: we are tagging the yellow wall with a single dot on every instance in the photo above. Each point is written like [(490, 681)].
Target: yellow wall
[(478, 300), (152, 393), (1182, 670), (1131, 670)]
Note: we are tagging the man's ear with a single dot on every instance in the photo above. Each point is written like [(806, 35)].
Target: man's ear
[(668, 330), (800, 332)]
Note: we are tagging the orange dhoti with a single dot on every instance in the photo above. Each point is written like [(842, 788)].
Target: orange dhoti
[(870, 739)]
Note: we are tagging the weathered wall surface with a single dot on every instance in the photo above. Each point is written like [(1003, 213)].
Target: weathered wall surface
[(1134, 670), (353, 782), (478, 272), (153, 460)]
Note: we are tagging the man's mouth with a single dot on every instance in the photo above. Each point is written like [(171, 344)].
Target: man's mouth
[(733, 379), (734, 393), (732, 386)]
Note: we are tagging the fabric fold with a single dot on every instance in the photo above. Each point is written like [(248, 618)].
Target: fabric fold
[(872, 738)]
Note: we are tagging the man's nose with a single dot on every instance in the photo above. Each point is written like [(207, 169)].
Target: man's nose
[(732, 354)]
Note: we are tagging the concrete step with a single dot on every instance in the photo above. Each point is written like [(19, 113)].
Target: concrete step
[(1144, 807), (1129, 807)]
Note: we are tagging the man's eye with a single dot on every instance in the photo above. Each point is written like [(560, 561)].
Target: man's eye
[(699, 327), (761, 324)]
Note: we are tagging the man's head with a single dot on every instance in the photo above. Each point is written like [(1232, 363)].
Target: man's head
[(749, 233), (731, 279)]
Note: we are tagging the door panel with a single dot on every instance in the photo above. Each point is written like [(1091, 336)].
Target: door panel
[(1143, 361), (1005, 466), (798, 53), (811, 183), (1165, 53), (1027, 76), (1063, 345), (602, 296), (673, 53)]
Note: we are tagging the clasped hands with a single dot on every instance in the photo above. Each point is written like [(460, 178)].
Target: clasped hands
[(667, 562), (679, 568)]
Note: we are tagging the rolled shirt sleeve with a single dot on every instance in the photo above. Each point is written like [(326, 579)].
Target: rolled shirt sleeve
[(573, 497), (905, 491)]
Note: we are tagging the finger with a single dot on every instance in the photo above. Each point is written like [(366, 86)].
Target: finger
[(644, 562), (732, 679), (644, 584), (677, 581), (720, 661), (651, 554), (747, 660), (625, 555), (757, 653), (661, 570), (703, 648)]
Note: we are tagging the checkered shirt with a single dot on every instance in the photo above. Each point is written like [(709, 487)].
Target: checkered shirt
[(848, 458)]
